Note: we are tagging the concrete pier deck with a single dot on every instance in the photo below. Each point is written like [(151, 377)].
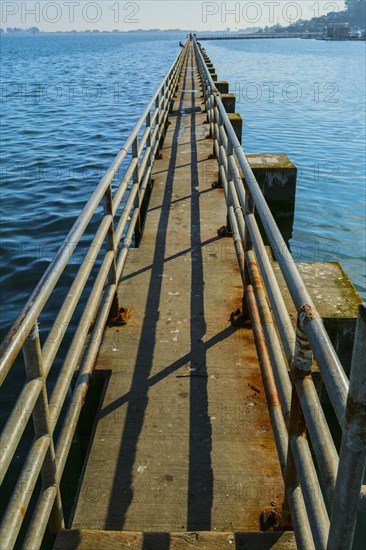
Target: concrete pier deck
[(183, 440)]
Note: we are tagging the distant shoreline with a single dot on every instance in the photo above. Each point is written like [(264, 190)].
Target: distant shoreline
[(137, 31)]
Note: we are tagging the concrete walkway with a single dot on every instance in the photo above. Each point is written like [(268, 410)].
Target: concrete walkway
[(183, 439)]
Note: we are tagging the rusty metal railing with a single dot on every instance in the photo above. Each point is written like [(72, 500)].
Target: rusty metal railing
[(116, 227), (317, 490)]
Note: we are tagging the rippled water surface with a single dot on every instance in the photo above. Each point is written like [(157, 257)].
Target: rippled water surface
[(306, 98), (69, 102)]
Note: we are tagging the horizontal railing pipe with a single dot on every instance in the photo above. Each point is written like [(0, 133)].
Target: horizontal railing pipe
[(80, 337), (17, 422), (39, 520), (314, 502), (321, 439), (294, 497), (17, 507), (56, 335), (272, 340), (270, 387), (280, 313)]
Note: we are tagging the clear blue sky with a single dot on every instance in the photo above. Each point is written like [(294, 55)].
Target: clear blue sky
[(61, 15)]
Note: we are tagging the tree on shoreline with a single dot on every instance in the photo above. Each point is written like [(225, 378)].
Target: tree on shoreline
[(356, 12)]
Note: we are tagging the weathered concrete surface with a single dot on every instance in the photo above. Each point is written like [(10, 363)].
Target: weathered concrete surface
[(336, 300), (110, 540), (183, 439)]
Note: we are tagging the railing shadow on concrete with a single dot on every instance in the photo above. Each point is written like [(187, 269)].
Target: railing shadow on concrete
[(120, 224), (323, 494)]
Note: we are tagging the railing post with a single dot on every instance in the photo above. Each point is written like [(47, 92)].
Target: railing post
[(159, 120), (229, 178), (211, 114), (157, 124), (209, 109), (148, 141), (248, 245), (216, 135), (146, 195), (111, 247), (353, 448), (41, 421), (207, 95), (166, 106), (136, 181), (171, 90)]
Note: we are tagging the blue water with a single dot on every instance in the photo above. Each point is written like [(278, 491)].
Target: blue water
[(69, 101), (306, 98)]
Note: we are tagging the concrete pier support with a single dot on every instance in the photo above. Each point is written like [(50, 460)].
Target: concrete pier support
[(229, 101), (276, 176), (213, 74), (222, 86), (237, 123)]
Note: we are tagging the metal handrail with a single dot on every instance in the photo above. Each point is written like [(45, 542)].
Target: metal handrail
[(117, 231), (281, 349)]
